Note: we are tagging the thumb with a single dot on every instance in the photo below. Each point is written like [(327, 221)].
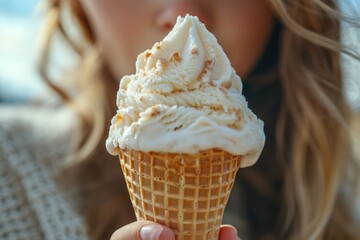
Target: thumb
[(143, 230), (228, 232)]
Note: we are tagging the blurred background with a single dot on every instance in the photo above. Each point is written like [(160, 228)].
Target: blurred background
[(20, 23), (19, 26)]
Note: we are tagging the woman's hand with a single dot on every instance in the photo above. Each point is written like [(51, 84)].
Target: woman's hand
[(146, 230)]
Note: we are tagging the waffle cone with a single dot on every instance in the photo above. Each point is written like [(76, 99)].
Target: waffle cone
[(187, 193)]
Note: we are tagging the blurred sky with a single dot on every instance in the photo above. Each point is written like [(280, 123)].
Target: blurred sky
[(19, 26)]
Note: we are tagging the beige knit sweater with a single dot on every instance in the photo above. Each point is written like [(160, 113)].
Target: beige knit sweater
[(32, 143)]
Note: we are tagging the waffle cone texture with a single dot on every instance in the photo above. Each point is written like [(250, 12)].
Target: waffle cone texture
[(187, 193)]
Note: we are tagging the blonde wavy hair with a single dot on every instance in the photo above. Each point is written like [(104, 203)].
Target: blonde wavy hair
[(313, 132)]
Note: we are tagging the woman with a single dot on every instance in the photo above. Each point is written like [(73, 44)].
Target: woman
[(288, 55)]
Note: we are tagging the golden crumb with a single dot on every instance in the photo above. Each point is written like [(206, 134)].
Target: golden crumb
[(202, 86), (178, 127), (161, 66), (195, 51), (155, 111), (238, 115), (119, 119), (158, 45), (163, 62), (226, 84), (209, 64), (204, 124), (175, 57)]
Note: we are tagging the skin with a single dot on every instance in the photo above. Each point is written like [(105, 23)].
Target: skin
[(125, 28), (132, 231)]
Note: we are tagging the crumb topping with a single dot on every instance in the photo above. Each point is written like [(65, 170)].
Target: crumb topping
[(119, 119), (158, 45), (155, 111), (178, 127), (175, 57), (195, 51), (238, 115), (161, 65), (209, 64), (226, 85)]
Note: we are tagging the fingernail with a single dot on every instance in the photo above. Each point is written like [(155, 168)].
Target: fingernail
[(236, 234), (232, 232), (234, 229), (151, 232)]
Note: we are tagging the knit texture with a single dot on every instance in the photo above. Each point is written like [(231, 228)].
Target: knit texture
[(33, 143)]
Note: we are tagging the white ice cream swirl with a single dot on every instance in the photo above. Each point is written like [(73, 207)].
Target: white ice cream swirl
[(184, 98)]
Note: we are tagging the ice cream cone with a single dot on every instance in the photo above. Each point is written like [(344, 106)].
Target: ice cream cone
[(185, 192), (184, 97)]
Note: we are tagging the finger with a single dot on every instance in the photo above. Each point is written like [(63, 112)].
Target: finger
[(143, 230), (228, 232)]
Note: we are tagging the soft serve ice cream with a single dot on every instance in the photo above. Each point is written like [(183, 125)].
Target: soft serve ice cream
[(185, 97)]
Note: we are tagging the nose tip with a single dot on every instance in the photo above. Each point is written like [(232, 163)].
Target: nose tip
[(168, 16)]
